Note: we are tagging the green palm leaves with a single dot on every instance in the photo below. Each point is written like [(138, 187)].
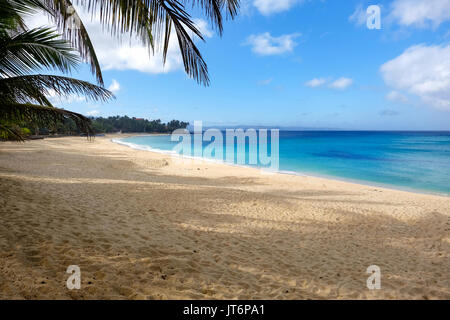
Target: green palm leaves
[(153, 21), (34, 49), (24, 96), (37, 87)]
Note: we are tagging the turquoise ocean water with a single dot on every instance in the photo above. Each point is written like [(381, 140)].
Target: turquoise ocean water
[(417, 161)]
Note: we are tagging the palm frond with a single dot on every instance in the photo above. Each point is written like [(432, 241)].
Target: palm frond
[(22, 51), (36, 88), (69, 23), (213, 10), (152, 22), (34, 49), (42, 115), (17, 89), (194, 64), (9, 133), (11, 14)]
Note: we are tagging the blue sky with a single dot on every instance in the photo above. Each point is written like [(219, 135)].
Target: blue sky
[(297, 63)]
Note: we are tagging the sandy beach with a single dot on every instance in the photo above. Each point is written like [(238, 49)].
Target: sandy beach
[(143, 225)]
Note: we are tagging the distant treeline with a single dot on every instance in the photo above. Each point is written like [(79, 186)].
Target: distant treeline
[(116, 124), (126, 124)]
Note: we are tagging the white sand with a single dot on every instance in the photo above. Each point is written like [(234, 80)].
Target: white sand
[(143, 226)]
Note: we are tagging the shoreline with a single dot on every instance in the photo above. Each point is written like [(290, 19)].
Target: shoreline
[(292, 173), (144, 225)]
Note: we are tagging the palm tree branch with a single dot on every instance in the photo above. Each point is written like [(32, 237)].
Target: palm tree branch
[(9, 133), (152, 21), (18, 89), (43, 115), (35, 88), (194, 64), (67, 20), (32, 49)]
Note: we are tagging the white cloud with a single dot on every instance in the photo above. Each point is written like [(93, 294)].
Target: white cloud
[(396, 96), (128, 54), (93, 113), (423, 71), (61, 100), (316, 82), (264, 44), (420, 13), (114, 87), (268, 7), (341, 83), (203, 26)]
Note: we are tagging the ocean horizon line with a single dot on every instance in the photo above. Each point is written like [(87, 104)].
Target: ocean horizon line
[(299, 129)]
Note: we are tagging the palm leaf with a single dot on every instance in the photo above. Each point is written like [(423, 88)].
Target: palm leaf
[(22, 51), (151, 21), (213, 10), (9, 133), (193, 61), (35, 88), (11, 13), (72, 28), (42, 115), (17, 89), (33, 49)]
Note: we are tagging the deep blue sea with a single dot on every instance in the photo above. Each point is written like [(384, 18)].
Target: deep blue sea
[(417, 161)]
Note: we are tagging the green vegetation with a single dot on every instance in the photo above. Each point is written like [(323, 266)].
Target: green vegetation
[(154, 22), (104, 125), (23, 95), (126, 124)]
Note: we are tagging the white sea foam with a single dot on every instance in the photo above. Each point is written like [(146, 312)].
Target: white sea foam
[(175, 154), (142, 147)]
